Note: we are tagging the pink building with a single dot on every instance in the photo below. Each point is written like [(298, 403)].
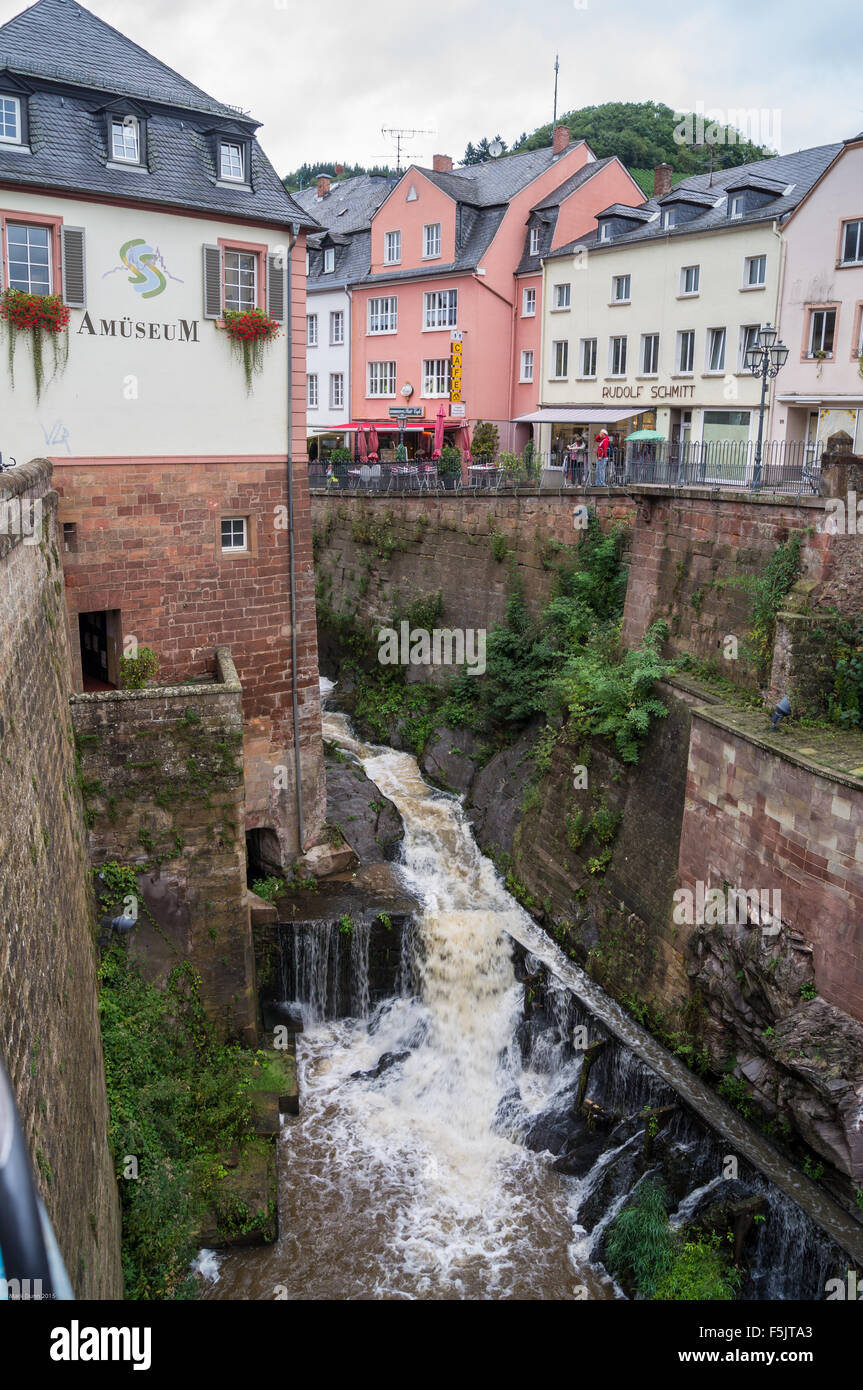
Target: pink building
[(820, 389), (456, 257)]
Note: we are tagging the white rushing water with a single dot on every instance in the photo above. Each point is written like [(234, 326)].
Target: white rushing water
[(412, 1183)]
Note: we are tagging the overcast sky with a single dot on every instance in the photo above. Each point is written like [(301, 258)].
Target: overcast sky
[(325, 75)]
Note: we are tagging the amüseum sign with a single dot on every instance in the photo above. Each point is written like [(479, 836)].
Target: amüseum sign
[(183, 331), (657, 393)]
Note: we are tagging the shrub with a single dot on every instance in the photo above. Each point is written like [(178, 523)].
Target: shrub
[(137, 671), (486, 441), (640, 1245), (700, 1270), (449, 462)]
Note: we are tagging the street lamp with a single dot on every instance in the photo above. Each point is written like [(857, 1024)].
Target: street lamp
[(765, 359)]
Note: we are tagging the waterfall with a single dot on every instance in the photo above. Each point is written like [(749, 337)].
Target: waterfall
[(440, 1151)]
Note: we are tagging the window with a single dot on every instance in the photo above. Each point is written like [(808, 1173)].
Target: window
[(234, 535), (231, 162), (528, 303), (754, 271), (562, 296), (436, 376), (10, 120), (620, 289), (650, 354), (588, 357), (337, 327), (312, 391), (690, 279), (669, 218), (392, 248), (29, 258), (337, 390), (560, 360), (431, 240), (852, 239), (381, 379), (617, 357), (311, 330), (735, 207), (686, 351), (748, 339), (605, 231), (716, 349), (383, 315), (822, 327), (440, 309), (534, 241), (329, 260), (125, 139), (526, 364), (241, 280)]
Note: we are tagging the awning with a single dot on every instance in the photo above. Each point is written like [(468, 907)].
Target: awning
[(576, 415), (391, 425)]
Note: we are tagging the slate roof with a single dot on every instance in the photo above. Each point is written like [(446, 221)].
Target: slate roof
[(800, 170), (497, 180), (473, 246), (350, 203), (575, 181), (60, 39), (68, 134), (353, 259)]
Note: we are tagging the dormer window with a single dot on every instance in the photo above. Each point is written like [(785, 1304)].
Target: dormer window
[(329, 260), (126, 139), (10, 120), (605, 231), (534, 241), (735, 206), (669, 218), (231, 161)]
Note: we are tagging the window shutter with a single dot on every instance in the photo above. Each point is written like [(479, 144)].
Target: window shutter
[(212, 282), (276, 288), (74, 272)]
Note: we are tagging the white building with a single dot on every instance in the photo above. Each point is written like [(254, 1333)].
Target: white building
[(336, 258)]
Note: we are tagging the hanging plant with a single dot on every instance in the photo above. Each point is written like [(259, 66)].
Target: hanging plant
[(249, 331), (37, 315)]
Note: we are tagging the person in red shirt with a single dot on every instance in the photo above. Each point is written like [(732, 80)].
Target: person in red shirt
[(601, 441)]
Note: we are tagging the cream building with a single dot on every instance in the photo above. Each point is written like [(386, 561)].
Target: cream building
[(820, 391), (647, 321)]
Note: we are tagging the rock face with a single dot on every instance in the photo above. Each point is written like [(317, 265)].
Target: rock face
[(497, 793), (450, 759), (367, 819)]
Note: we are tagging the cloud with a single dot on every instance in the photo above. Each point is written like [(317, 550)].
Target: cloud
[(325, 78)]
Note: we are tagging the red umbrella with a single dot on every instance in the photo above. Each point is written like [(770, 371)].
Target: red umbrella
[(438, 431), (361, 446), (373, 444), (465, 444)]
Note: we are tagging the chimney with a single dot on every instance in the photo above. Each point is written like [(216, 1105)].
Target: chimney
[(323, 185), (560, 139), (340, 169), (662, 180), (441, 163)]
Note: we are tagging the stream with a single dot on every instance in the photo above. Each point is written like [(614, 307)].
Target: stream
[(435, 1154)]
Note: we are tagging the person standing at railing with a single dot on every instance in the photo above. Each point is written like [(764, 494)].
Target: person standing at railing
[(579, 458), (602, 442)]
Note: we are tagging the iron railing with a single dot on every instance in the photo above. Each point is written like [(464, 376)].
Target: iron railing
[(788, 467)]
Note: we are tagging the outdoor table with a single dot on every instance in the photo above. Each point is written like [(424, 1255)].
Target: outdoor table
[(481, 473)]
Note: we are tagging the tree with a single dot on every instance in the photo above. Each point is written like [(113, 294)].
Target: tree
[(478, 154), (486, 440)]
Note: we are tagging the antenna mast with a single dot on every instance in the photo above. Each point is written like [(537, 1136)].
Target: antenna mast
[(402, 135), (554, 118)]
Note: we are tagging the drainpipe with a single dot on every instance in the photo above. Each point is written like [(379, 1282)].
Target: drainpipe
[(292, 241)]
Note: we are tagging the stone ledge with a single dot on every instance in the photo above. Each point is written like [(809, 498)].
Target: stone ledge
[(229, 684), (713, 714)]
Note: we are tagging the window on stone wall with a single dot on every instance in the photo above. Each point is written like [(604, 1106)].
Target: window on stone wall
[(235, 533)]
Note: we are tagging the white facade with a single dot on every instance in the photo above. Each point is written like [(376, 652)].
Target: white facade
[(820, 390), (328, 357), (148, 375), (697, 294)]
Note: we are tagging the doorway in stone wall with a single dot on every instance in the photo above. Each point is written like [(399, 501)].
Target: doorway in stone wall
[(99, 635)]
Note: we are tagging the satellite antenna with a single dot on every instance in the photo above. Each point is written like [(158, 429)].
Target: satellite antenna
[(495, 148)]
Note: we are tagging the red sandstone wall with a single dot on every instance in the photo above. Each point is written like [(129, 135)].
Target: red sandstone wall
[(756, 820), (148, 544)]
